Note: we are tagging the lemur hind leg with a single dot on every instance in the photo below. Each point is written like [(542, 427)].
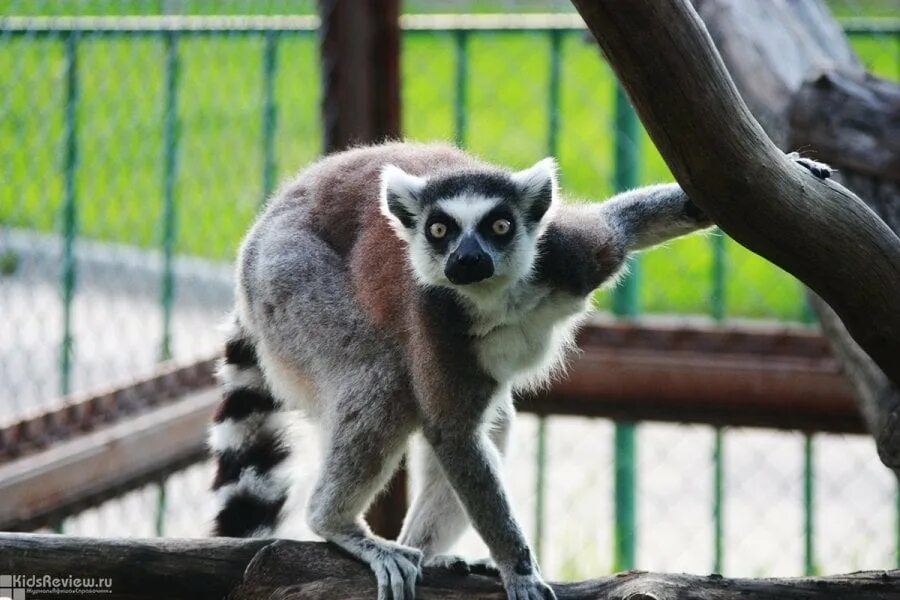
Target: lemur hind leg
[(437, 519), (302, 303), (363, 448)]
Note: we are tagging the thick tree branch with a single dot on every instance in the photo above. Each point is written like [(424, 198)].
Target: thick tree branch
[(797, 72), (256, 569), (818, 231)]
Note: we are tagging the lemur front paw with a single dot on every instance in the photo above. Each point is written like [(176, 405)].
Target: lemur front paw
[(397, 569), (461, 566), (819, 169), (527, 587), (522, 580)]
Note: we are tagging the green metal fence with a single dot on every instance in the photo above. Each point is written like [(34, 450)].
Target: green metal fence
[(549, 53)]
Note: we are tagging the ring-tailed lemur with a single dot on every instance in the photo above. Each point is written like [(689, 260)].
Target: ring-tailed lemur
[(406, 287)]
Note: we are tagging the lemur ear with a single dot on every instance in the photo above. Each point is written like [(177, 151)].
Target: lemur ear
[(400, 200), (537, 186)]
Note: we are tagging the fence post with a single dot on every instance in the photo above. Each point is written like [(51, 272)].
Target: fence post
[(626, 304), (717, 311), (270, 112), (359, 47), (359, 50), (69, 208), (809, 499), (460, 44), (552, 147), (170, 175), (169, 223)]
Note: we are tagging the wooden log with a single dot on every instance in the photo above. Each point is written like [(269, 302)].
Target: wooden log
[(289, 570), (816, 230), (206, 569)]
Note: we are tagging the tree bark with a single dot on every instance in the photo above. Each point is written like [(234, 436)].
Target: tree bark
[(255, 569), (797, 71), (816, 230)]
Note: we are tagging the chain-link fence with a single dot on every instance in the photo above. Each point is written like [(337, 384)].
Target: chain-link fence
[(135, 151)]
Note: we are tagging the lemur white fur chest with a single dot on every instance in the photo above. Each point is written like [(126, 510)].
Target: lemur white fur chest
[(521, 338)]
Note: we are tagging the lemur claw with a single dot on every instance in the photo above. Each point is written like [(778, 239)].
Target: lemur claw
[(528, 587), (819, 169)]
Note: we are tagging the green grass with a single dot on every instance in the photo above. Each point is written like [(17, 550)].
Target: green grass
[(219, 184), (841, 8)]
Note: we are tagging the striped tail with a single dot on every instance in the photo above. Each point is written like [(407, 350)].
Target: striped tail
[(247, 441)]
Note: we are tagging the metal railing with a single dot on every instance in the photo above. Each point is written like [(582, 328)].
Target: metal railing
[(72, 32)]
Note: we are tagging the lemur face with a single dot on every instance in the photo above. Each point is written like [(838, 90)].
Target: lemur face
[(469, 229)]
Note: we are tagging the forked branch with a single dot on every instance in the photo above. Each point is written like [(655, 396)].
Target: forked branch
[(818, 231)]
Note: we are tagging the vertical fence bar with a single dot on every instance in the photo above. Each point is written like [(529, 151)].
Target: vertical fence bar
[(69, 208), (719, 276), (718, 500), (809, 475), (169, 222), (717, 311), (625, 304), (160, 525), (807, 314), (540, 460), (626, 157), (809, 550), (461, 39), (170, 175), (270, 112), (552, 146)]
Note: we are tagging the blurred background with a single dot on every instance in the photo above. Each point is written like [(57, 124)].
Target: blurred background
[(135, 152)]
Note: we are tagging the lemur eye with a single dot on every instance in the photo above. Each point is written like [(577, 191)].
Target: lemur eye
[(438, 230), (501, 226)]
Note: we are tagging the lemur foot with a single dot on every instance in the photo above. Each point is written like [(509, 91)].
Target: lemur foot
[(484, 566), (819, 169), (397, 569), (461, 566)]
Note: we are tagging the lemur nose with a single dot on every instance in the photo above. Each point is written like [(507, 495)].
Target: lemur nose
[(472, 259), (469, 263)]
